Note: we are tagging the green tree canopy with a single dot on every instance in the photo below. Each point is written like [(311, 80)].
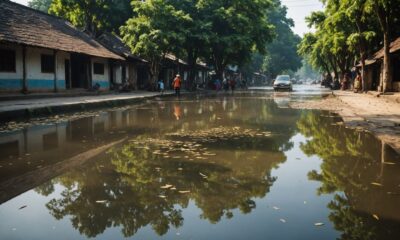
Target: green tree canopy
[(93, 16), (157, 29)]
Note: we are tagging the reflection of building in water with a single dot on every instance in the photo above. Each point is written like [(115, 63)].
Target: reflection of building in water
[(30, 157), (50, 137)]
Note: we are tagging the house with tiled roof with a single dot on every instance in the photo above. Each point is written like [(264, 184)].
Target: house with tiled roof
[(133, 70), (41, 52)]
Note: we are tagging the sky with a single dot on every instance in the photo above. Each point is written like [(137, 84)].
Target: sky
[(297, 10)]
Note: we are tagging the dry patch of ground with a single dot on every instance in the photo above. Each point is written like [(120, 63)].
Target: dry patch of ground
[(377, 115)]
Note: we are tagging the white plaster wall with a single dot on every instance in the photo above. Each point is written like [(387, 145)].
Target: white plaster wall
[(61, 57), (33, 64), (18, 74), (99, 77), (118, 73)]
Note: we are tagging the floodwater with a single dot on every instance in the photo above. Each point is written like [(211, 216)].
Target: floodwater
[(202, 167)]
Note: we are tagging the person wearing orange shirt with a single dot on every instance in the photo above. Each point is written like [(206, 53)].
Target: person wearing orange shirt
[(177, 85)]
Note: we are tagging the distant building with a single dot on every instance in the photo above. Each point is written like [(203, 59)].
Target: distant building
[(41, 52)]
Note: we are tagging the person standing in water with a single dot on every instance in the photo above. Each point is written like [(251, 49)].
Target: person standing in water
[(176, 84)]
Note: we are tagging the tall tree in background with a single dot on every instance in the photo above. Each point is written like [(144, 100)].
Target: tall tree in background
[(155, 31), (359, 40), (198, 35), (41, 5), (93, 16), (282, 51), (238, 28), (350, 30), (388, 13), (281, 54)]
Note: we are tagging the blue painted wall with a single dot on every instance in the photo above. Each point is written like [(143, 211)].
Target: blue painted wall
[(11, 84), (34, 84), (103, 84)]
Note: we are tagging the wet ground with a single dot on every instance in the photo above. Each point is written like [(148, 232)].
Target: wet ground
[(204, 167)]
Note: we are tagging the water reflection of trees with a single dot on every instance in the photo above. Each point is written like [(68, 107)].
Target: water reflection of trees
[(126, 191), (362, 174), (129, 189)]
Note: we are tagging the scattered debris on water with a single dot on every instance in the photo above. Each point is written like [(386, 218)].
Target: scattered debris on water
[(167, 186), (377, 184), (185, 191)]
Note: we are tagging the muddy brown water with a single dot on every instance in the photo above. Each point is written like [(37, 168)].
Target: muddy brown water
[(216, 167)]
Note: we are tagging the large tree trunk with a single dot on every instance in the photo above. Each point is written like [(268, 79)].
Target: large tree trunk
[(218, 64), (383, 16), (154, 72), (192, 58), (387, 78)]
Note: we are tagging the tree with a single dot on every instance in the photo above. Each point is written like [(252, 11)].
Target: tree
[(41, 5), (351, 30), (238, 28), (282, 51), (93, 16), (356, 11), (156, 30), (329, 45), (199, 30), (388, 12)]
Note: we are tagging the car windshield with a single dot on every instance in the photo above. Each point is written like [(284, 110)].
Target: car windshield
[(283, 78)]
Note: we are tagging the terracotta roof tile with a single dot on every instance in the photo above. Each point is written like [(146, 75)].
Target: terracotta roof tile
[(115, 44), (23, 25), (394, 47)]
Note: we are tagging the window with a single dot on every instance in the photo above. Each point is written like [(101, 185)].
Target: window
[(7, 60), (47, 63), (98, 68)]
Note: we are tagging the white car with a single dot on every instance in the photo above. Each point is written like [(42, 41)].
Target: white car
[(283, 82)]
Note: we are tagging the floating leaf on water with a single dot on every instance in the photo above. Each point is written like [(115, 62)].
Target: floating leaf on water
[(282, 220), (184, 191), (393, 193), (389, 163), (377, 184), (101, 201), (209, 154), (319, 224), (203, 175), (375, 216), (22, 207), (166, 186)]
